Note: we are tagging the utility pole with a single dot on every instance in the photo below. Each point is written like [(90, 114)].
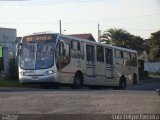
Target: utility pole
[(98, 33), (60, 27)]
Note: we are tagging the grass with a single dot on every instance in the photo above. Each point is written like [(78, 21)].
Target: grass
[(10, 83), (16, 83)]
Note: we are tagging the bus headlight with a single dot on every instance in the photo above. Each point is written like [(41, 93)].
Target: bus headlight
[(48, 72)]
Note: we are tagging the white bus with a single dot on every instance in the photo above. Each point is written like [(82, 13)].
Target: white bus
[(47, 58)]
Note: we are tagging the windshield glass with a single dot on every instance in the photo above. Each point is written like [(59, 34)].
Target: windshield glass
[(45, 54), (27, 60), (37, 55)]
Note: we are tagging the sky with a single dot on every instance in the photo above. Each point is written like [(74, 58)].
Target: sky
[(138, 17)]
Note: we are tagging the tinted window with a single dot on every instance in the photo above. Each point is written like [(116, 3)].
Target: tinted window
[(109, 57), (118, 57), (100, 54), (90, 53), (118, 54), (127, 58), (134, 59)]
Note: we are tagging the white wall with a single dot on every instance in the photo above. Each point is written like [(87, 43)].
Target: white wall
[(152, 67)]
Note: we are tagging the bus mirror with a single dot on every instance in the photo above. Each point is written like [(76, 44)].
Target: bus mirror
[(18, 48)]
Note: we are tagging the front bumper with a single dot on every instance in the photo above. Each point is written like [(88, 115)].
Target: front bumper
[(38, 79)]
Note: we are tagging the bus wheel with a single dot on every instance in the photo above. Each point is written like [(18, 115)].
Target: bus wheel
[(122, 83), (78, 81), (134, 79)]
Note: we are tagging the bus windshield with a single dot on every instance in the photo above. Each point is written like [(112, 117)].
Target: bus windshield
[(38, 55)]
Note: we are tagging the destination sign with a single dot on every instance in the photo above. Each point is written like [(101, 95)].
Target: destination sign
[(38, 38)]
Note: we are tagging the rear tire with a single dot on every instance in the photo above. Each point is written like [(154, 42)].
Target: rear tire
[(134, 79), (78, 81), (122, 83)]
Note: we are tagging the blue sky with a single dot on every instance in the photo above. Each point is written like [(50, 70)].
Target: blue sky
[(139, 17)]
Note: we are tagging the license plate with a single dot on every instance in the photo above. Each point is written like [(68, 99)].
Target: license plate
[(30, 71), (35, 78)]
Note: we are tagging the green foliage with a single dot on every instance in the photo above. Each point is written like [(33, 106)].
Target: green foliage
[(122, 38), (16, 83), (10, 83), (154, 44)]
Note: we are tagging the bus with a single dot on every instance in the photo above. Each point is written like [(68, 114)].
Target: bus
[(50, 58)]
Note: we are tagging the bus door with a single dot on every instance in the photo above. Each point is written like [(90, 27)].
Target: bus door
[(100, 65), (109, 66), (130, 67), (63, 57), (90, 61), (127, 68)]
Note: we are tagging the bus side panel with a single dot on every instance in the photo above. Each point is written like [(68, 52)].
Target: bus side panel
[(100, 73), (66, 75), (119, 71)]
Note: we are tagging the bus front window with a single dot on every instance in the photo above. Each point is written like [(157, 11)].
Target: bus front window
[(45, 55), (37, 55), (27, 60)]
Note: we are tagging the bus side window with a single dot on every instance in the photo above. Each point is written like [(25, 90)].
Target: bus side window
[(118, 54), (82, 51), (100, 54), (133, 60), (127, 58), (75, 49), (109, 57), (90, 54), (118, 57)]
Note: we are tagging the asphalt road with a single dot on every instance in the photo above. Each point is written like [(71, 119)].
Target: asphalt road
[(85, 101)]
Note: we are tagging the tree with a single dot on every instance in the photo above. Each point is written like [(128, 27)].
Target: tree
[(114, 36), (154, 44), (122, 38)]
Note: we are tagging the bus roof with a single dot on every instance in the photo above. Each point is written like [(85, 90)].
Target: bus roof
[(87, 41), (101, 44)]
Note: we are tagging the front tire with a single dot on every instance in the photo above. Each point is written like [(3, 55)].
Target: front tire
[(134, 79), (78, 81)]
